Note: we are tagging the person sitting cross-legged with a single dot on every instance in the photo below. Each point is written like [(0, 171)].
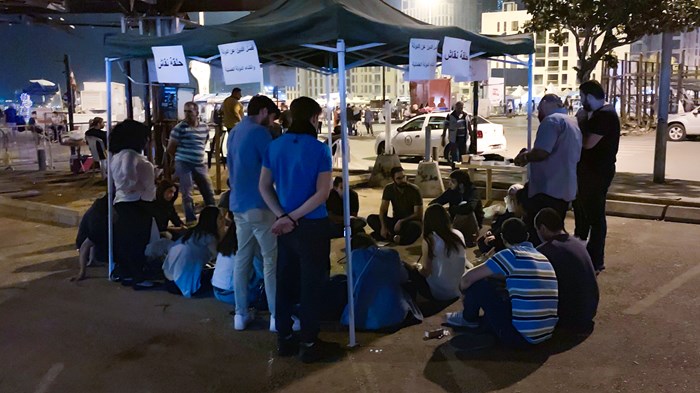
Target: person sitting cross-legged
[(444, 259), (380, 299), (525, 311), (406, 200), (465, 206), (335, 208), (578, 288)]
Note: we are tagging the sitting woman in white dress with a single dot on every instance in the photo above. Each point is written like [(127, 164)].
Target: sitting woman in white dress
[(444, 259), (188, 256)]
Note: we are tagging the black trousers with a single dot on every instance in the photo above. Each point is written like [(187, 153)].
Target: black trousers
[(537, 203), (409, 233), (417, 284), (356, 226), (131, 235), (303, 266), (589, 210)]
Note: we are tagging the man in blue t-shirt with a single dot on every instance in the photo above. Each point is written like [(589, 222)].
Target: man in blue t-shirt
[(186, 145), (295, 182), (525, 312), (247, 145)]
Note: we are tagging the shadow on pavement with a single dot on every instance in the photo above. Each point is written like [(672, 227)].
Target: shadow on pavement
[(492, 369)]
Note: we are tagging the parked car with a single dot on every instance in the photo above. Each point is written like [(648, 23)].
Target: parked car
[(409, 138), (682, 125)]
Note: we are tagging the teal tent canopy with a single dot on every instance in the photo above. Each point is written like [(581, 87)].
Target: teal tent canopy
[(281, 28)]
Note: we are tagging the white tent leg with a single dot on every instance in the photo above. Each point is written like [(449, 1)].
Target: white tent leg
[(529, 101), (329, 112), (110, 218), (346, 187)]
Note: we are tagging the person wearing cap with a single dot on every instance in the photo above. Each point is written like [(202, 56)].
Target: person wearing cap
[(553, 160), (525, 311), (247, 145)]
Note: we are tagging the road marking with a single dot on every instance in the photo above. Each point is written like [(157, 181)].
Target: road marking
[(662, 291), (49, 377)]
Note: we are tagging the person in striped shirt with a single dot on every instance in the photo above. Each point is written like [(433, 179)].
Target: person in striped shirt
[(187, 141), (525, 312)]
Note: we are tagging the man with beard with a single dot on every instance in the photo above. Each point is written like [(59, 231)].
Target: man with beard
[(253, 219), (600, 126), (552, 160), (405, 198)]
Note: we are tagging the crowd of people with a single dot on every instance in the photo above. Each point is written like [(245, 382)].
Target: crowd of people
[(268, 244)]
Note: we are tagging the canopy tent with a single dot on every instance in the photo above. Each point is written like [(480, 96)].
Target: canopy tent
[(40, 87), (310, 35)]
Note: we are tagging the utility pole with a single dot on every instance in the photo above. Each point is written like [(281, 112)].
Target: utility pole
[(129, 91), (664, 92), (69, 91)]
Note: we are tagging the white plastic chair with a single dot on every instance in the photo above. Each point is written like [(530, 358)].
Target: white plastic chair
[(93, 142)]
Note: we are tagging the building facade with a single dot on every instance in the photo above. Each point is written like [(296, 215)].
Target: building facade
[(686, 48)]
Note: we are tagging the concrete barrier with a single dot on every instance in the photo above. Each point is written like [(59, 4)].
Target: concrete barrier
[(42, 212), (690, 215), (635, 210)]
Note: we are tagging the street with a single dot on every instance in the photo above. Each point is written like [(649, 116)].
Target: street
[(98, 336), (636, 154)]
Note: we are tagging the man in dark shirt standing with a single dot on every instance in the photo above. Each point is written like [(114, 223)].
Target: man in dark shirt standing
[(578, 289), (600, 127), (406, 201), (334, 205)]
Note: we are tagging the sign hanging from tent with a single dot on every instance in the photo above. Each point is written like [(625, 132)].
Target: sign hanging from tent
[(240, 63), (478, 71), (422, 59), (455, 56), (171, 64)]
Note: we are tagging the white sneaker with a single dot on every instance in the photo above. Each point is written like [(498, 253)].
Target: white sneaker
[(273, 326), (456, 319), (240, 322), (297, 324)]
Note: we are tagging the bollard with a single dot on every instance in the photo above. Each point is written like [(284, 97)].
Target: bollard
[(41, 159), (435, 153)]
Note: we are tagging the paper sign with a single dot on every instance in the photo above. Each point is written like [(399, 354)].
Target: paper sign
[(281, 76), (455, 57), (240, 63), (478, 71), (170, 63), (422, 59)]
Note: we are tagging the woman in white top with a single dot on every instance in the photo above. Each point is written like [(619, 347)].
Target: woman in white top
[(443, 261), (135, 189)]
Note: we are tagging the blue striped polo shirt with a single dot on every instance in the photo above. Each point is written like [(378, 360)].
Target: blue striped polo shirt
[(533, 290), (190, 142)]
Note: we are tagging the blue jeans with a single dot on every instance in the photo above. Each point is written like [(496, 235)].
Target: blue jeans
[(485, 294), (187, 173)]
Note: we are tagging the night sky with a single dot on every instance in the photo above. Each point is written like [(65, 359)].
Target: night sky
[(35, 51)]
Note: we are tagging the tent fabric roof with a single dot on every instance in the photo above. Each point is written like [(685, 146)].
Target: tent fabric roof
[(281, 28)]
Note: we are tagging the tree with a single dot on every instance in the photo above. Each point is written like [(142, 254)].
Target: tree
[(599, 26)]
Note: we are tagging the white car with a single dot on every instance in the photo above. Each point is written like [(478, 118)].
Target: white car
[(409, 138), (681, 125)]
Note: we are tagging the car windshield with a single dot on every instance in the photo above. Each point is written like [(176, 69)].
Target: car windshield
[(414, 125)]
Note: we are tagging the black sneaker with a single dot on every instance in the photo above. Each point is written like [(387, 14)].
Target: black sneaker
[(287, 347), (319, 351)]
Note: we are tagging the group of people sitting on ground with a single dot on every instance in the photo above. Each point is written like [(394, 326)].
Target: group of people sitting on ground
[(286, 208)]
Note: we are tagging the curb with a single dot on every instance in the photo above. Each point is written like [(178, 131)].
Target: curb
[(41, 212)]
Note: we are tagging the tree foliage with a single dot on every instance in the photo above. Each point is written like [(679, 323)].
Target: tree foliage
[(599, 26)]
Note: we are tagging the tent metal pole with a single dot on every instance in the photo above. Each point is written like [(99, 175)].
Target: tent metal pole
[(340, 48), (529, 101), (110, 215), (329, 112)]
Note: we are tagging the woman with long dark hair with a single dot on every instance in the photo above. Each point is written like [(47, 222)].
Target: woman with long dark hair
[(444, 258), (186, 259), (164, 209), (462, 197), (134, 190)]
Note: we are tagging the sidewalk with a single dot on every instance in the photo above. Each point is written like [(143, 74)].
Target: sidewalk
[(59, 197)]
